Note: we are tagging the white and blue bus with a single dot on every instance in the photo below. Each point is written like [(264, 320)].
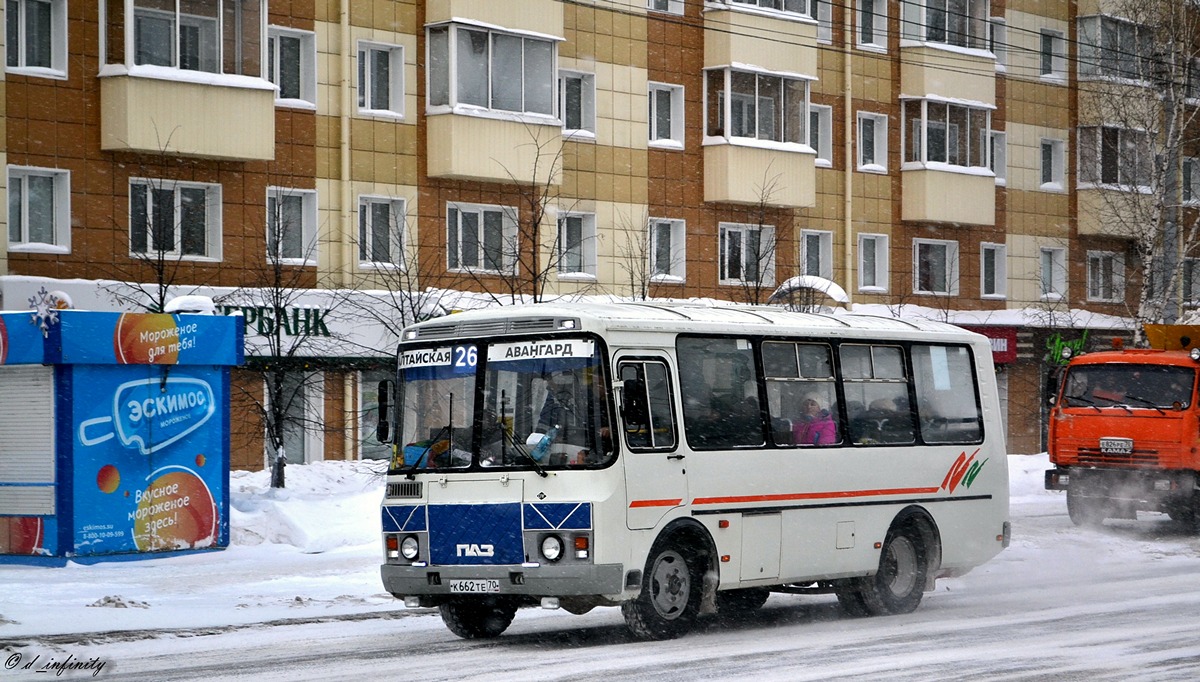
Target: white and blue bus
[(678, 460)]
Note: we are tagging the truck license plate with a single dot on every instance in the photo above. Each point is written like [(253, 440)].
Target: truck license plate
[(478, 586), (1116, 446)]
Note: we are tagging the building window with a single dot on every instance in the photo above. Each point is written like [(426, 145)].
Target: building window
[(1113, 48), (666, 115), (1053, 160), (576, 246), (873, 263), (292, 226), (1191, 180), (963, 23), (757, 105), (291, 64), (223, 36), (671, 6), (998, 156), (1192, 91), (952, 134), (492, 70), (1052, 55), (822, 11), (871, 28), (39, 209), (1054, 273), (381, 224), (872, 142), (998, 41), (795, 6), (993, 271), (816, 253), (935, 267), (747, 254), (368, 414), (1191, 282), (481, 238), (174, 219), (1115, 156), (380, 79), (820, 133), (36, 37), (302, 415), (667, 256), (577, 102), (1105, 276)]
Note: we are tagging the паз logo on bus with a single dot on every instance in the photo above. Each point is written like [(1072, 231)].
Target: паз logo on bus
[(475, 550), (963, 471)]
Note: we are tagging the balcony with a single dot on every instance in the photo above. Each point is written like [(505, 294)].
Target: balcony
[(465, 147), (930, 71), (536, 16), (740, 174), (216, 120), (778, 44), (943, 196)]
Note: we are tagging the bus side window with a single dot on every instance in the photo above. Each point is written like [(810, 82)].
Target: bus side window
[(647, 412)]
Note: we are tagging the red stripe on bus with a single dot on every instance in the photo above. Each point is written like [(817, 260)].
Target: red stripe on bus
[(655, 503), (812, 496)]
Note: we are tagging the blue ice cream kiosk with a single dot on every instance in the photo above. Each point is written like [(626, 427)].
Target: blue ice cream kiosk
[(114, 433)]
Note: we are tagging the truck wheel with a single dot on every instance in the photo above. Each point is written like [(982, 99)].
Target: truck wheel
[(476, 618), (1084, 511), (670, 597)]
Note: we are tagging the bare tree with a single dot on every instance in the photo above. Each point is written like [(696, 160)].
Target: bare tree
[(512, 258), (284, 330), (636, 257), (748, 254), (1137, 125)]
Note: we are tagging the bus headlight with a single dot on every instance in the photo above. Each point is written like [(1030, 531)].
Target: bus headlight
[(409, 547), (552, 547)]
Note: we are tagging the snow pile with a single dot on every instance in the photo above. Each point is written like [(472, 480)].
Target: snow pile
[(324, 506)]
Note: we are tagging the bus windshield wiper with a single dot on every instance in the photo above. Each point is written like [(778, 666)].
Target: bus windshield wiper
[(1143, 401)]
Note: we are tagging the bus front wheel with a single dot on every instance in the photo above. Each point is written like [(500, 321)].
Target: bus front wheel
[(670, 596), (475, 618)]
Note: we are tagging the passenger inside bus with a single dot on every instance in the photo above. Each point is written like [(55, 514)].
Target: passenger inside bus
[(815, 426)]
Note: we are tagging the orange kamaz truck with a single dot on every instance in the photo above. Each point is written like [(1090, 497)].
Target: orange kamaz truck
[(1124, 432)]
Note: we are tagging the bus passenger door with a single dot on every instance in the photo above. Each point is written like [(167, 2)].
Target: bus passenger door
[(655, 464)]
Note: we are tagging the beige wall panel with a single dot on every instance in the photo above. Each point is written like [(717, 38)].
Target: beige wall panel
[(1060, 11), (751, 175), (1100, 213), (942, 197), (190, 119), (538, 16), (1037, 104), (1025, 154), (1024, 268), (1025, 44), (930, 71), (493, 150), (767, 42)]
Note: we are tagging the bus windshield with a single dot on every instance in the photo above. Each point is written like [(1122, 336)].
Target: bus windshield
[(1132, 385), (540, 404)]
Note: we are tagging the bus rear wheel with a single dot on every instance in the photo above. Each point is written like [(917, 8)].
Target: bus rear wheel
[(670, 596), (899, 584), (475, 618)]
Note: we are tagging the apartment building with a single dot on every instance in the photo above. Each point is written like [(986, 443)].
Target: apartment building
[(919, 153)]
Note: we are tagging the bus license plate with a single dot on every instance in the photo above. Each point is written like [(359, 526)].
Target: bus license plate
[(481, 586)]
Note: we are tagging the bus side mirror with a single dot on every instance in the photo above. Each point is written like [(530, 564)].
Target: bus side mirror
[(633, 402), (383, 428)]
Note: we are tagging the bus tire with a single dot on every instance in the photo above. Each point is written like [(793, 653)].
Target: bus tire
[(1084, 511), (748, 600), (476, 618), (672, 587), (899, 584), (849, 596)]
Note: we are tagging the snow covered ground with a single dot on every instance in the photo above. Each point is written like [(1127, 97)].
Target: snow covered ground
[(1115, 603)]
